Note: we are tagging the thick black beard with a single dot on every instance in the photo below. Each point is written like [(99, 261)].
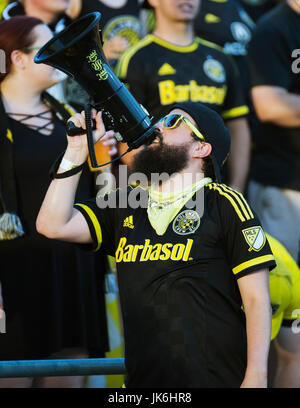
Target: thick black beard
[(159, 159)]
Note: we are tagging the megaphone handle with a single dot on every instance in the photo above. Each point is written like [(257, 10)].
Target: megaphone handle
[(73, 130), (89, 135)]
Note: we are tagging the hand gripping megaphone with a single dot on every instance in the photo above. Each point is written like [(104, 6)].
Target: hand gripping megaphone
[(77, 51)]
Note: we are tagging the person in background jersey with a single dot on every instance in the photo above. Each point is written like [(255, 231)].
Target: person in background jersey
[(257, 8), (228, 25), (274, 187), (120, 28), (172, 64), (120, 23)]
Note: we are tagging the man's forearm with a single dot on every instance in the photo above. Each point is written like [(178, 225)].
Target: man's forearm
[(288, 110), (60, 196), (277, 105), (254, 289), (57, 218), (258, 321), (239, 158)]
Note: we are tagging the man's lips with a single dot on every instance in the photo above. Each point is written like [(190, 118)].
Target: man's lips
[(155, 139)]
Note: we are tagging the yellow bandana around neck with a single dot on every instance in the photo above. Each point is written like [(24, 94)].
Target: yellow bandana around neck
[(163, 207)]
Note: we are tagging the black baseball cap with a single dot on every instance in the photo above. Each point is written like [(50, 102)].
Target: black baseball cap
[(212, 127)]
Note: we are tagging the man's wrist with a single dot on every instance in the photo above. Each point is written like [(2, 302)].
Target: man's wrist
[(260, 374), (73, 158), (255, 379), (69, 163)]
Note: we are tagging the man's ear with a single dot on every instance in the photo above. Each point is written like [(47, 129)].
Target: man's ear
[(18, 59), (201, 150)]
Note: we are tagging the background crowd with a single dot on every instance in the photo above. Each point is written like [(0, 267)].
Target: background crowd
[(240, 58)]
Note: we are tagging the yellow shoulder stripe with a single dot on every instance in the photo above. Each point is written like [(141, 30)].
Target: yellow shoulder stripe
[(252, 262), (122, 66), (243, 203), (235, 112), (95, 223), (209, 44), (236, 199), (9, 136)]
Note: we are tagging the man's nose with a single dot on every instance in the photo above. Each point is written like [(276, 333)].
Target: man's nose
[(159, 127), (158, 131)]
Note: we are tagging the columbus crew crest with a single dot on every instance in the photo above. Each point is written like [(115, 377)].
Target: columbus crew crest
[(255, 238), (127, 27), (214, 70), (186, 222)]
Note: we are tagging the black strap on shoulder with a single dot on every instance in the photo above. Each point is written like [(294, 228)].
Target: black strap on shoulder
[(63, 113), (60, 109)]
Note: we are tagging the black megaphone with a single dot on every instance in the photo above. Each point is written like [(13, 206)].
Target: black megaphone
[(77, 51)]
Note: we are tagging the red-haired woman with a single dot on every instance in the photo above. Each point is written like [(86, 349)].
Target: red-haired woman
[(52, 291)]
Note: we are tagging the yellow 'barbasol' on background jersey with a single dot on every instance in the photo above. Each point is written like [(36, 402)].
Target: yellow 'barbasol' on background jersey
[(160, 74)]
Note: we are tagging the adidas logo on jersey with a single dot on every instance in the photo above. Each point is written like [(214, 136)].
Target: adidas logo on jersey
[(128, 222), (211, 18), (166, 69)]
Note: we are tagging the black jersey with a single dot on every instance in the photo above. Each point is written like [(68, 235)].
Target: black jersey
[(257, 8), (160, 74), (181, 307), (123, 21), (226, 24), (274, 61)]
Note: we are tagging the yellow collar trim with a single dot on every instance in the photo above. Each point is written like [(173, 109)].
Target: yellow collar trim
[(174, 47)]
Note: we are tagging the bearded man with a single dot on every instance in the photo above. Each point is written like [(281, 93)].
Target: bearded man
[(193, 282)]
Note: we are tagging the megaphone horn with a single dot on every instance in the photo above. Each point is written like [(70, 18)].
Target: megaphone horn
[(77, 51)]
